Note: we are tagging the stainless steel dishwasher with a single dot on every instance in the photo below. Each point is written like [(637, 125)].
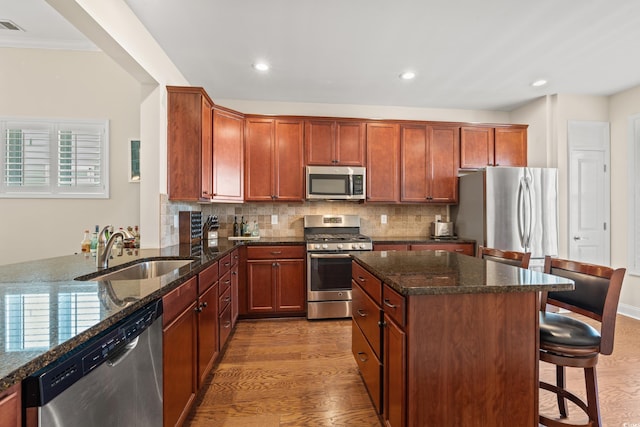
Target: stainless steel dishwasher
[(115, 379)]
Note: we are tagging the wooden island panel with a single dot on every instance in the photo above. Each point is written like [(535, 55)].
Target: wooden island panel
[(476, 363)]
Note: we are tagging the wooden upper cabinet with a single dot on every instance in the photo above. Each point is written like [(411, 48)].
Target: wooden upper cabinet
[(476, 147), (228, 155), (259, 159), (383, 162), (482, 146), (429, 163), (189, 149), (330, 143), (511, 146), (274, 168)]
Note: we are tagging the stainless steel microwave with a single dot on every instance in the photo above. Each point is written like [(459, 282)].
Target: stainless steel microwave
[(336, 183)]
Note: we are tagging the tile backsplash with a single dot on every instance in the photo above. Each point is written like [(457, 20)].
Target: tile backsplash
[(402, 220)]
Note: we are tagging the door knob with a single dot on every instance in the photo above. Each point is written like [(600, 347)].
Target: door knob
[(577, 238)]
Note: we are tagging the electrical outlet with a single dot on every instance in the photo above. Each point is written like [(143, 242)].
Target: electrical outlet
[(383, 219), (274, 219), (176, 221), (438, 218)]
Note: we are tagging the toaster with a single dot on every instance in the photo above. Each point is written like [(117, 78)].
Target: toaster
[(441, 229)]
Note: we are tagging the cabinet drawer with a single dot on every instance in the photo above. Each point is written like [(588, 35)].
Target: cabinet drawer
[(368, 364), (390, 247), (394, 305), (235, 257), (176, 301), (207, 277), (225, 282), (224, 299), (225, 325), (367, 314), (275, 252), (367, 281), (225, 264), (464, 248)]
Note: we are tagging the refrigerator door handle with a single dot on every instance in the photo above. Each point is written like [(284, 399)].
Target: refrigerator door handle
[(530, 214), (520, 211)]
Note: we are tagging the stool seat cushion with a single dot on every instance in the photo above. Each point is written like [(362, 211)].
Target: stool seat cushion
[(567, 336)]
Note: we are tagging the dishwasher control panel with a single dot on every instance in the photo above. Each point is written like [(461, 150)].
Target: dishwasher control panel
[(50, 381)]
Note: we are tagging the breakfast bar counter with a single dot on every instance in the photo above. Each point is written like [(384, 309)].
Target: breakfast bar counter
[(458, 337)]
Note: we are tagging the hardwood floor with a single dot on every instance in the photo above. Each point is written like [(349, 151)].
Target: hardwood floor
[(618, 380), (292, 372), (286, 372)]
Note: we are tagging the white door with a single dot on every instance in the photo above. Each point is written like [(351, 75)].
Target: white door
[(589, 204)]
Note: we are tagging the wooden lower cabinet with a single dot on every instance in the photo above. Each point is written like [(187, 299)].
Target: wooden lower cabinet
[(208, 345), (460, 360), (366, 336), (179, 352), (464, 248), (11, 407), (276, 280), (395, 374)]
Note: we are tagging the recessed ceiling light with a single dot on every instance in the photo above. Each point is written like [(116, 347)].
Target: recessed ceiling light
[(261, 66), (407, 75), (538, 83)]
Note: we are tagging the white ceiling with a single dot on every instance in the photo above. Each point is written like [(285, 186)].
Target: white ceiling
[(467, 54)]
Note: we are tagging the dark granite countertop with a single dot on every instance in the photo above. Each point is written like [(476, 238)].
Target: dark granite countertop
[(441, 272), (39, 322)]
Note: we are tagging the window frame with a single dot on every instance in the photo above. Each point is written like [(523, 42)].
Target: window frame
[(94, 128)]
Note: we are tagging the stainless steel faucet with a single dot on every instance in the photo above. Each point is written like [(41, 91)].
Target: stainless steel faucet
[(103, 250)]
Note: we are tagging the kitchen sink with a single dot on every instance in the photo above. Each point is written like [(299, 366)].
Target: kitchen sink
[(143, 270)]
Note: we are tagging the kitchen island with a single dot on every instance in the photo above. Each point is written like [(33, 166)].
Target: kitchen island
[(458, 340)]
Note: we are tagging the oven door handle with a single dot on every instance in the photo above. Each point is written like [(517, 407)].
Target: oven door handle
[(329, 256)]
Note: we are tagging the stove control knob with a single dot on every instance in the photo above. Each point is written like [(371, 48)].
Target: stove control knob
[(360, 246), (339, 245), (317, 246), (325, 246)]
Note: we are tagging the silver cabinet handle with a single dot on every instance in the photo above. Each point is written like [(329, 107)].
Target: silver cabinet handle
[(362, 356), (361, 313), (388, 303)]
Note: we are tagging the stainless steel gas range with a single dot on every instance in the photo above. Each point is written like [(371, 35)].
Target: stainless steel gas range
[(331, 239)]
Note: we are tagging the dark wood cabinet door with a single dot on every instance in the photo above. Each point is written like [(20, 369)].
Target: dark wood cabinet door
[(511, 146), (228, 156), (476, 147), (442, 161), (235, 300), (394, 374), (188, 144), (383, 162), (11, 407), (179, 363), (261, 286), (319, 138), (207, 332), (414, 151), (290, 292), (331, 143), (289, 158), (206, 151), (259, 160), (350, 143)]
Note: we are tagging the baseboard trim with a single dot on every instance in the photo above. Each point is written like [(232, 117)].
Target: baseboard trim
[(629, 310)]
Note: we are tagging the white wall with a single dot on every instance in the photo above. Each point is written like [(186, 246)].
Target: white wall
[(537, 115), (56, 84), (621, 106)]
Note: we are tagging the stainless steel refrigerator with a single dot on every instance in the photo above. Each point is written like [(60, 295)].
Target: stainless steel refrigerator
[(512, 209)]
